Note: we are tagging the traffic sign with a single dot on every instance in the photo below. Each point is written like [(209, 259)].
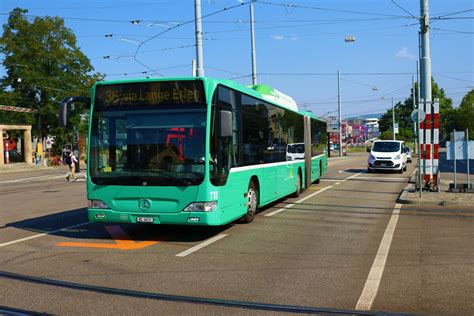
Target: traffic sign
[(416, 118)]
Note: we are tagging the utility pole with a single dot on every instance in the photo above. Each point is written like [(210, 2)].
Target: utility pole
[(425, 60), (198, 23), (252, 36), (425, 81), (393, 120), (415, 131), (193, 68), (339, 112)]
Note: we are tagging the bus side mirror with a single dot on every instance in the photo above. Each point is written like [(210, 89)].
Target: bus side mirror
[(66, 106), (225, 118)]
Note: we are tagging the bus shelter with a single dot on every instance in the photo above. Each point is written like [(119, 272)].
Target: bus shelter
[(26, 141)]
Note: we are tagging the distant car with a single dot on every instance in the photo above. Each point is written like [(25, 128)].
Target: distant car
[(295, 151), (408, 153), (387, 155)]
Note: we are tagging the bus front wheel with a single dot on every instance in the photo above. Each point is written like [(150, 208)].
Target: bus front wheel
[(252, 203)]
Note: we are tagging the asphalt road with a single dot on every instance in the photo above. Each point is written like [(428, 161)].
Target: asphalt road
[(343, 245)]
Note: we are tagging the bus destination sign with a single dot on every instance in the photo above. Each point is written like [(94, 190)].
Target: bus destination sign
[(149, 93)]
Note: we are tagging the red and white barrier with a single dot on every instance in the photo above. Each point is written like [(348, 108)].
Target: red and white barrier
[(428, 147), (435, 142)]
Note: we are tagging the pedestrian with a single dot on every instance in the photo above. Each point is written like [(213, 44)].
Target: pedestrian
[(71, 161)]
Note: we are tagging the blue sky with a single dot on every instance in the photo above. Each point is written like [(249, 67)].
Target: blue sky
[(300, 44)]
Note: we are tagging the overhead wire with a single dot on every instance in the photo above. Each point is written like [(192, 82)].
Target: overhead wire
[(187, 22), (452, 31), (293, 6), (177, 26)]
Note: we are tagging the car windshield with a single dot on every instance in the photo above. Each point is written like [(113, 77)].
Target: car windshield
[(386, 147), (296, 148)]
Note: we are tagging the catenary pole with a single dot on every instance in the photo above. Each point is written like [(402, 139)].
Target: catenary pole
[(339, 112), (254, 54), (425, 60), (414, 108), (425, 81), (420, 108), (393, 121), (198, 23)]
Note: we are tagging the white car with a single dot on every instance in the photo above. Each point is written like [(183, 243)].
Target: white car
[(408, 153), (387, 155), (295, 151)]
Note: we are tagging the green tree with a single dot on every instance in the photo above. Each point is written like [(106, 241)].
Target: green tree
[(403, 114), (463, 116), (445, 109), (43, 65)]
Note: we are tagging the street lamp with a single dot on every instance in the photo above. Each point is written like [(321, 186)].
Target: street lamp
[(349, 39)]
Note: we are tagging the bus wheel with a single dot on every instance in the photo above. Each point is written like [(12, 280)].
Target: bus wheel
[(298, 186), (252, 203)]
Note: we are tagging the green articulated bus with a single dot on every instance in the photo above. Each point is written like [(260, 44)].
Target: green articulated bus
[(195, 151)]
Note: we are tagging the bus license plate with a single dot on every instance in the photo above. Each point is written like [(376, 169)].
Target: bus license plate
[(145, 219)]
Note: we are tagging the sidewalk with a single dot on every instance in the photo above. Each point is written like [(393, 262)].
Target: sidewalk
[(21, 167), (444, 197)]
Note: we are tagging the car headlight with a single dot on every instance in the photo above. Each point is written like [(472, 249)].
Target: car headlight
[(371, 157), (201, 207), (97, 204), (398, 157)]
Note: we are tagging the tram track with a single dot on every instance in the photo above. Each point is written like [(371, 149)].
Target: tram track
[(186, 299)]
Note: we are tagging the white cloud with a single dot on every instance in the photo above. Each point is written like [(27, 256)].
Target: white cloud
[(278, 37), (404, 53)]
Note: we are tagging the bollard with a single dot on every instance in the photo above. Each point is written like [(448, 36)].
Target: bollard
[(7, 155)]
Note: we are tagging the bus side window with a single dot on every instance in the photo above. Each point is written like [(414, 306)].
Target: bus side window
[(225, 150)]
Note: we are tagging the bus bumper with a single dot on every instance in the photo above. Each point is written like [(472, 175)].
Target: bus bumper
[(182, 218)]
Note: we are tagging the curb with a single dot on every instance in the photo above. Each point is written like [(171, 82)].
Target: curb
[(402, 197), (23, 169), (337, 158)]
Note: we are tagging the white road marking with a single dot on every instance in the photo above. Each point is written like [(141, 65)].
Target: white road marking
[(35, 178), (201, 245), (310, 196), (372, 284), (299, 201), (43, 234), (353, 176), (382, 178), (331, 180), (337, 183)]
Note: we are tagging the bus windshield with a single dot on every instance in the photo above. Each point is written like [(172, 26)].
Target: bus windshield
[(148, 142)]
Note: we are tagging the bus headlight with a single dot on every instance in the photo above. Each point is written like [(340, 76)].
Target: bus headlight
[(201, 207), (97, 204)]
